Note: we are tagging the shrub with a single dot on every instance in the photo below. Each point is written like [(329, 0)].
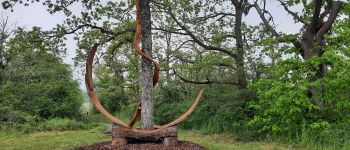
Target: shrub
[(221, 110)]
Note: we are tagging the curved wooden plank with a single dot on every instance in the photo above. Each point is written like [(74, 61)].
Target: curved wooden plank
[(136, 115), (176, 121), (91, 92), (188, 112), (137, 43)]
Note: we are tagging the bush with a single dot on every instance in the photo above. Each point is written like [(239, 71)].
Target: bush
[(221, 110)]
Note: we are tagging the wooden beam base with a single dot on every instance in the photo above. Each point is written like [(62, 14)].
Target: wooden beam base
[(122, 136)]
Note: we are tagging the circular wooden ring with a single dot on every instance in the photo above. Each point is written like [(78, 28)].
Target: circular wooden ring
[(102, 110)]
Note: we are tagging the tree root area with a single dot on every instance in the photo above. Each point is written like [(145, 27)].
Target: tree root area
[(182, 145)]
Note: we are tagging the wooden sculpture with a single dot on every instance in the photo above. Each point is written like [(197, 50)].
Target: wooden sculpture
[(124, 131)]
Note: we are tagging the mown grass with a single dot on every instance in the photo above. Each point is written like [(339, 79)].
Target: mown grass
[(61, 140), (61, 134), (51, 140)]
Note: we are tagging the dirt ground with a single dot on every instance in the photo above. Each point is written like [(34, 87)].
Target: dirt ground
[(182, 145)]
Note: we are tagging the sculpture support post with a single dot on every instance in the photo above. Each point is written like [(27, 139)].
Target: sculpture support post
[(118, 138)]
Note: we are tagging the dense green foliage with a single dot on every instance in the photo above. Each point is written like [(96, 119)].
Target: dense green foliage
[(284, 104), (35, 84), (116, 81), (220, 111), (284, 107)]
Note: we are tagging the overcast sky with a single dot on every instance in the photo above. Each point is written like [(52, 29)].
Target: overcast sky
[(36, 15)]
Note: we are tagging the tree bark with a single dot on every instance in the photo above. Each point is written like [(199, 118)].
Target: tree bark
[(167, 56), (309, 50), (241, 75), (313, 45), (147, 119)]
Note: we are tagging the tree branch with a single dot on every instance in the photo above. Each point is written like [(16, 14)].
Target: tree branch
[(328, 24), (221, 14), (326, 11), (236, 2), (295, 42), (199, 42), (295, 15), (169, 31), (205, 82), (316, 14), (178, 48), (266, 23), (106, 31)]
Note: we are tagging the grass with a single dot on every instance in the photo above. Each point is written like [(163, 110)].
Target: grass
[(57, 139), (51, 140), (60, 140), (223, 142)]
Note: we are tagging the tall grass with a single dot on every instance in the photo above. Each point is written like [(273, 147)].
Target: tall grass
[(335, 137), (61, 124)]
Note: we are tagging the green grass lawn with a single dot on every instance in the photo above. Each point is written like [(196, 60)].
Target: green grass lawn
[(51, 140), (221, 142), (58, 140)]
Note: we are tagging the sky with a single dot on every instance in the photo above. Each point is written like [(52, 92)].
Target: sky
[(36, 15)]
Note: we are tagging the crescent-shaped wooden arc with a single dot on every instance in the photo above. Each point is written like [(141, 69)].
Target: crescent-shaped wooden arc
[(91, 92), (188, 112), (137, 42), (176, 121), (136, 116)]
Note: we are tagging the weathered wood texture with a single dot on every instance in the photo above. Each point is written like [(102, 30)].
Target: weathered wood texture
[(170, 141), (120, 134), (136, 116)]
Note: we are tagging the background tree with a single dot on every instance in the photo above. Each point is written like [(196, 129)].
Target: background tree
[(297, 83), (36, 85), (6, 31), (215, 26)]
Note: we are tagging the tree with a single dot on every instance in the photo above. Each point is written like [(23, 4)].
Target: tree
[(297, 92), (5, 32), (191, 23), (311, 42), (35, 83), (147, 119)]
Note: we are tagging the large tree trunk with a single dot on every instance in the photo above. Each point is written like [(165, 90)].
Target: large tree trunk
[(147, 120), (241, 74), (313, 45), (312, 48)]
